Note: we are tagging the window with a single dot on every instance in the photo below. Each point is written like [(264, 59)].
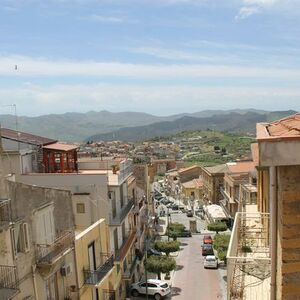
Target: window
[(51, 288), (80, 207), (121, 195), (20, 238), (44, 225)]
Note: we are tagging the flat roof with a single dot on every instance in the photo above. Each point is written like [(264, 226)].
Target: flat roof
[(61, 147), (27, 138)]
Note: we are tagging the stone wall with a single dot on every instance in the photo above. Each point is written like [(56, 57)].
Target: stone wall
[(288, 246)]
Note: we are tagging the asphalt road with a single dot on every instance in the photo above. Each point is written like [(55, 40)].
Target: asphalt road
[(191, 280)]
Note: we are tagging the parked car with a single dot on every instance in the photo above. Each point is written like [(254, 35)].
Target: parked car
[(207, 249), (207, 239), (189, 213), (154, 252), (156, 288), (210, 262), (174, 206), (185, 233)]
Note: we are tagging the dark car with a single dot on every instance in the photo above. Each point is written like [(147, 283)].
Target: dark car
[(154, 252), (174, 206), (185, 233), (189, 213), (207, 249)]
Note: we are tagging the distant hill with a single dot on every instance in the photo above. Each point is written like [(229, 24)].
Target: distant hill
[(78, 126), (232, 122), (85, 126)]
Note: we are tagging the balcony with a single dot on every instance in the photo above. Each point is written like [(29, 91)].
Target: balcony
[(8, 282), (119, 218), (5, 212), (94, 277), (47, 255), (248, 257), (130, 269), (128, 240)]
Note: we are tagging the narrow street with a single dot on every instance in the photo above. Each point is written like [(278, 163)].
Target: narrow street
[(191, 280)]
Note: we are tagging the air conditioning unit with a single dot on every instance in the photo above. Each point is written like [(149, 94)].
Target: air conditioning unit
[(65, 270)]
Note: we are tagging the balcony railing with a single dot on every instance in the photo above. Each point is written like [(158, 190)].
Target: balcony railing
[(109, 295), (5, 212), (118, 219), (8, 281), (129, 271), (248, 257), (95, 276), (48, 254), (128, 241)]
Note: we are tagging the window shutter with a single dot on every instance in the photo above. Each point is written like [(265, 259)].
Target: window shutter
[(26, 244)]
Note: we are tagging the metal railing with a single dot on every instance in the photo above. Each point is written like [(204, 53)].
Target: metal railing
[(128, 240), (93, 277), (8, 277), (47, 254), (129, 271), (248, 257), (5, 212), (118, 219)]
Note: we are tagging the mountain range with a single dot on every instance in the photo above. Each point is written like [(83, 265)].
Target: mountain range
[(136, 126)]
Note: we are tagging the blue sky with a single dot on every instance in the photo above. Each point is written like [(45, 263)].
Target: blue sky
[(156, 56)]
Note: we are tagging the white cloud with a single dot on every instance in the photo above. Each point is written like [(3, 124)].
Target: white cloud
[(246, 12), (28, 66), (162, 100), (105, 19)]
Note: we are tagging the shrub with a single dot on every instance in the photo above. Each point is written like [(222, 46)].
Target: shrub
[(160, 264), (217, 227), (167, 246), (221, 242), (222, 256)]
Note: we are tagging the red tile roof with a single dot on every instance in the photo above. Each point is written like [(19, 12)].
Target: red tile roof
[(241, 166), (288, 127)]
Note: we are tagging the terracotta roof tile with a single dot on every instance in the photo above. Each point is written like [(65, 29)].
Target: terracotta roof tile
[(284, 128)]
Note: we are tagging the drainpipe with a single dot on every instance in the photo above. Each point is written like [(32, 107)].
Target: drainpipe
[(36, 296), (273, 231)]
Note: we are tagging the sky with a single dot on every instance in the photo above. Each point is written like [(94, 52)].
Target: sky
[(157, 56)]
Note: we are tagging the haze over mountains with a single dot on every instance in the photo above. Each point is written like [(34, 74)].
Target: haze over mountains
[(136, 126)]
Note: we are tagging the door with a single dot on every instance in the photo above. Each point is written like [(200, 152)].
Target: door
[(92, 265)]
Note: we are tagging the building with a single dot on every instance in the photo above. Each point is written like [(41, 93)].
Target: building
[(187, 174), (97, 190), (37, 243), (193, 189), (263, 256), (238, 173), (213, 180)]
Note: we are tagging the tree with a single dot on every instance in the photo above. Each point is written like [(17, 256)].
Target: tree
[(174, 230), (217, 227), (167, 246), (160, 264)]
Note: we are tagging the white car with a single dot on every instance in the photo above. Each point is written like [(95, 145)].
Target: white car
[(156, 288), (211, 262)]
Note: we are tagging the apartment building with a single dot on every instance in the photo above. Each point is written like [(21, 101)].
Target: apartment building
[(213, 180), (238, 173), (98, 190), (263, 256), (37, 243)]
